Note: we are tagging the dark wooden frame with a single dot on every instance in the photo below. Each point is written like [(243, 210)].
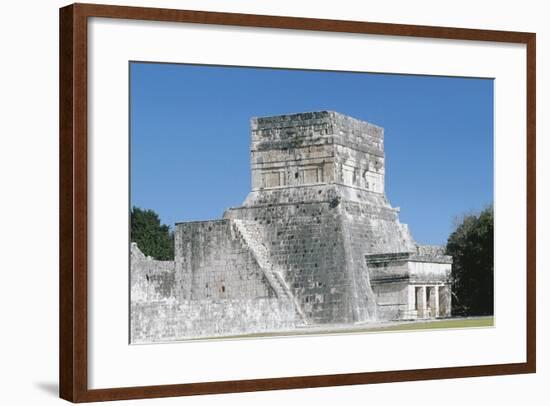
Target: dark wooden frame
[(73, 362)]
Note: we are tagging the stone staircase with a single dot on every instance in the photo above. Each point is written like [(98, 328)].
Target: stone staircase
[(252, 238)]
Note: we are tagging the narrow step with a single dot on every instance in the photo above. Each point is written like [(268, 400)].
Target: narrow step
[(251, 237)]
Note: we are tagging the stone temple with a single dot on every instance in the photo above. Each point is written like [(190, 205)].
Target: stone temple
[(315, 243)]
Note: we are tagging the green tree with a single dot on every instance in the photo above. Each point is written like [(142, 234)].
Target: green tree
[(152, 237), (471, 246)]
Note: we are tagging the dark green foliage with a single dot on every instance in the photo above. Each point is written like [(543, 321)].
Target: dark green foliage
[(471, 246), (152, 237)]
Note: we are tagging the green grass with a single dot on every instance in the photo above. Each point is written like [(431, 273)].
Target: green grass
[(468, 322), (487, 321)]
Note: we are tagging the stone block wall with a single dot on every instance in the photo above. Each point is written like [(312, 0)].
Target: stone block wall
[(375, 227), (150, 279), (316, 148), (230, 295), (392, 299), (431, 253), (172, 320), (306, 241), (429, 272), (295, 130), (319, 235), (213, 262)]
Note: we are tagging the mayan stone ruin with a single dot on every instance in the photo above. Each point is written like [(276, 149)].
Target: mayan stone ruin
[(315, 243)]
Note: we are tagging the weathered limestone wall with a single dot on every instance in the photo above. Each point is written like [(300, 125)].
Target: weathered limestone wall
[(392, 299), (319, 235), (431, 253), (171, 320), (150, 279), (213, 262), (218, 302), (375, 226), (313, 148), (305, 240), (429, 272), (429, 265)]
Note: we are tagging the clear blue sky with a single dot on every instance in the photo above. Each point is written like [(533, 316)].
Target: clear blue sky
[(190, 136)]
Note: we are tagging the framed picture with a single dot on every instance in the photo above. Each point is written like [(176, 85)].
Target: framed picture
[(255, 202)]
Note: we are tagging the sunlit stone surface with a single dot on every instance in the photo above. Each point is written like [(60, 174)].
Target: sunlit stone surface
[(316, 242)]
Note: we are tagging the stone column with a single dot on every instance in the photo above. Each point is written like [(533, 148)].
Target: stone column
[(445, 300), (421, 300), (411, 309), (424, 302), (432, 301), (436, 301)]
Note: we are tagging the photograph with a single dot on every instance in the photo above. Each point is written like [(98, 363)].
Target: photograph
[(281, 202), (267, 203)]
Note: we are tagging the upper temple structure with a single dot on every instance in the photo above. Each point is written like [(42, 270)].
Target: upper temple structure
[(315, 242)]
